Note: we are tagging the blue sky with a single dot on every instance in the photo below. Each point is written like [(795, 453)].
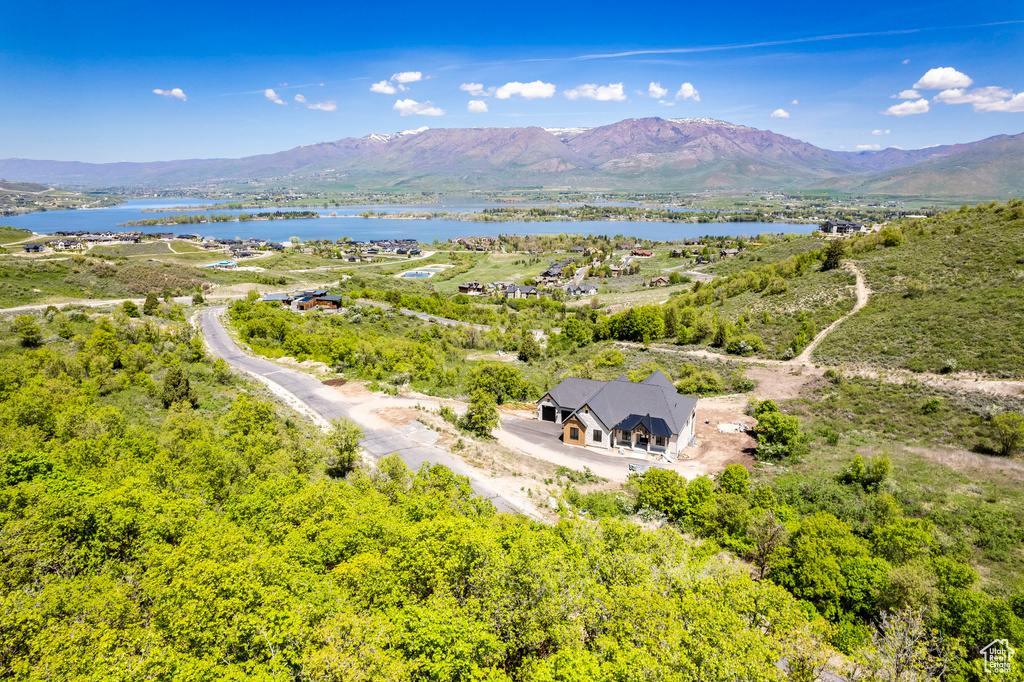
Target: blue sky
[(148, 81)]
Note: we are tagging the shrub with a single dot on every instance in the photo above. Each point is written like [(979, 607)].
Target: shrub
[(1008, 432), (30, 334), (665, 491), (891, 236), (529, 349), (482, 415), (343, 444), (745, 345), (152, 304), (177, 388), (833, 254)]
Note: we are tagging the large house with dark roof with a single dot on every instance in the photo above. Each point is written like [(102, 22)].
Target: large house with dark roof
[(650, 416)]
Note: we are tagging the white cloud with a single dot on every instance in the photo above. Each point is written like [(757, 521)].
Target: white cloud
[(407, 77), (666, 103), (907, 94), (867, 147), (656, 91), (477, 106), (1014, 104), (176, 93), (687, 91), (272, 96), (408, 107), (384, 88), (796, 101), (602, 93), (906, 61), (989, 98), (780, 113), (908, 108), (476, 89), (329, 105), (534, 90), (943, 78), (880, 132)]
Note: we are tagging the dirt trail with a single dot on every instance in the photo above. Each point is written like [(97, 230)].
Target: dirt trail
[(863, 293)]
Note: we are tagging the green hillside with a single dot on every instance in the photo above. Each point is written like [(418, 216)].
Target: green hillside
[(946, 298), (206, 541)]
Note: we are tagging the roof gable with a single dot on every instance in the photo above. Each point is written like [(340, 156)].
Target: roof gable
[(655, 403)]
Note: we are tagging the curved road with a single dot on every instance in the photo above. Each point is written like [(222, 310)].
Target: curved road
[(328, 404)]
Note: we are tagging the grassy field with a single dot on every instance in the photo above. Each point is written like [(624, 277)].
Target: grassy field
[(13, 234), (947, 299), (144, 249), (762, 255)]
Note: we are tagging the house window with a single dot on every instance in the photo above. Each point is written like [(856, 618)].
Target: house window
[(574, 433), (597, 435), (659, 440)]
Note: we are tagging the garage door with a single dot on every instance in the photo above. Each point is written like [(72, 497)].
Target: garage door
[(547, 413)]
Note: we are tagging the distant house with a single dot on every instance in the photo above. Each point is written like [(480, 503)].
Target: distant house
[(649, 416), (840, 227), (331, 302), (285, 299), (472, 288), (222, 265), (678, 253), (659, 281), (576, 249), (33, 248), (726, 253), (516, 291), (65, 245), (581, 290), (641, 253)]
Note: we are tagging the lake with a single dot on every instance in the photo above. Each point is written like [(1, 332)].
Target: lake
[(347, 223)]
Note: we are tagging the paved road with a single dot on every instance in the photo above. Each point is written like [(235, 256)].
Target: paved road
[(430, 318), (327, 404)]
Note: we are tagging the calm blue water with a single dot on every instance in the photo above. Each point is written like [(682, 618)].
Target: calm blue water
[(418, 274), (347, 223)]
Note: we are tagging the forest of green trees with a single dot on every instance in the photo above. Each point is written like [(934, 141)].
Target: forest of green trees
[(161, 520)]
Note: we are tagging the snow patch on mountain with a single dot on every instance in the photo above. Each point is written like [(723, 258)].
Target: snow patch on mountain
[(387, 137), (707, 121)]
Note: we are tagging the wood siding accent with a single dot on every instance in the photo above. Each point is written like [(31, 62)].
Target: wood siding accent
[(567, 429)]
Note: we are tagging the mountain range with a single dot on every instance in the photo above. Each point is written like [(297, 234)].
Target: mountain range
[(637, 154)]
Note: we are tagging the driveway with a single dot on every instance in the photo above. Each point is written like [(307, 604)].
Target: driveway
[(325, 404), (543, 440)]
